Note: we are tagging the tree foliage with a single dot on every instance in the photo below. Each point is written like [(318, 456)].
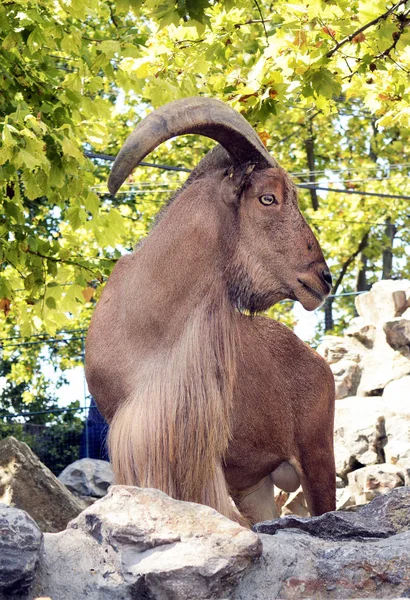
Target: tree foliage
[(325, 83)]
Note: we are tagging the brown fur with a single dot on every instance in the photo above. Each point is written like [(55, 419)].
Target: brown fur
[(201, 398)]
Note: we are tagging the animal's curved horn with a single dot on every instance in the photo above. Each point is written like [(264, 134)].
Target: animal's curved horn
[(205, 116)]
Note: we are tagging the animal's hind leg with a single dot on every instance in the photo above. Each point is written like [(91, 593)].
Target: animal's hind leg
[(257, 503)]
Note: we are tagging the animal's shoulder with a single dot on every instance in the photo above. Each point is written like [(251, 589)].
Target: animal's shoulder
[(269, 336)]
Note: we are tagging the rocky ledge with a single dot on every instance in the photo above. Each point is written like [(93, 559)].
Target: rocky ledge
[(139, 544)]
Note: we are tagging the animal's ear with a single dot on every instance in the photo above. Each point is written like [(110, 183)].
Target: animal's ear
[(235, 182)]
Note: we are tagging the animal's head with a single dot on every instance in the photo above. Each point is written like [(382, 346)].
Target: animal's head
[(275, 253)]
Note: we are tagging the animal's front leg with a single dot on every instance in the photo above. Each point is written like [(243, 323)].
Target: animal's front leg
[(257, 503)]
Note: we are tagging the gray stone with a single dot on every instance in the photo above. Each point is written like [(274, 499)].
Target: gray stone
[(27, 484), (297, 565), (20, 545), (338, 555), (347, 378), (336, 525), (88, 477), (139, 543), (397, 332)]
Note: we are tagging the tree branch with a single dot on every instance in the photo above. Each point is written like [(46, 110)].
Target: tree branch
[(262, 19), (61, 260), (364, 27), (348, 262)]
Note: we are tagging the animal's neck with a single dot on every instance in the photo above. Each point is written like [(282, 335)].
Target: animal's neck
[(180, 271)]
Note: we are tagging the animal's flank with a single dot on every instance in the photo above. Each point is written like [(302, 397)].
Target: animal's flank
[(173, 431)]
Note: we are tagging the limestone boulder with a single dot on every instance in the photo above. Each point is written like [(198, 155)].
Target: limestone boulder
[(382, 365), (334, 348), (360, 434), (344, 356), (397, 395), (139, 543), (20, 546), (362, 332), (386, 300), (88, 477), (369, 482), (29, 485), (361, 554)]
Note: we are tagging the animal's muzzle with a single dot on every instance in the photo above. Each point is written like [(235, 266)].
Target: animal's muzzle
[(327, 278)]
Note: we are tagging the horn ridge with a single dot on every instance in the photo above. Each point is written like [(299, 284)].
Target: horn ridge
[(205, 116)]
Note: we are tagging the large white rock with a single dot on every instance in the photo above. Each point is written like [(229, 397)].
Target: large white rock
[(360, 434), (362, 332), (335, 348), (387, 299), (139, 543), (398, 392), (343, 355), (88, 477), (381, 365)]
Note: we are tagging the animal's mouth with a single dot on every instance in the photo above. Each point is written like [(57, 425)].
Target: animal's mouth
[(310, 295), (319, 294)]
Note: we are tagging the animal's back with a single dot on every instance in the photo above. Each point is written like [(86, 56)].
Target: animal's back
[(109, 364)]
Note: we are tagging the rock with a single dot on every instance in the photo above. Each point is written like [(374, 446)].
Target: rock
[(88, 477), (333, 349), (383, 517), (360, 554), (382, 365), (343, 356), (296, 565), (139, 543), (360, 433), (398, 391), (369, 482), (365, 334), (344, 498), (20, 545), (295, 504), (27, 484), (387, 299), (347, 378), (397, 332), (397, 451)]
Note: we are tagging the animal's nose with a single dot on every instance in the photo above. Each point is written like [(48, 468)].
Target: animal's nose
[(327, 276)]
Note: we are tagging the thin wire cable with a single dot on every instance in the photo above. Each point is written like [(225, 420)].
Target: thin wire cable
[(111, 158), (347, 191)]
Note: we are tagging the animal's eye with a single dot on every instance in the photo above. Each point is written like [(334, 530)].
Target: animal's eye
[(268, 199)]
